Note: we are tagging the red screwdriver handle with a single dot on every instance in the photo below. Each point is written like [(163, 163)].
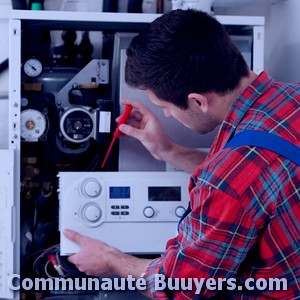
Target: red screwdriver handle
[(123, 119)]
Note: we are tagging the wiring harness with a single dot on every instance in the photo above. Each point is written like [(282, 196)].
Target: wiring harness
[(51, 264)]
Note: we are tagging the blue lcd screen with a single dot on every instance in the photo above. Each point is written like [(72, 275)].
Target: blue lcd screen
[(119, 192)]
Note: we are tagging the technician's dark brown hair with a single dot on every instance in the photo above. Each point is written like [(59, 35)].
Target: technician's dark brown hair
[(184, 51)]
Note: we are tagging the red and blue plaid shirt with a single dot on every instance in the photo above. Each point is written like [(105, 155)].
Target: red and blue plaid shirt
[(245, 205)]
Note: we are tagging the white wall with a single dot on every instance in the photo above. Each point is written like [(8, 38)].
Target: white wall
[(5, 7), (282, 38), (283, 53)]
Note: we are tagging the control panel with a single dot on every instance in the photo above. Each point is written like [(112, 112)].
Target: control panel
[(136, 212)]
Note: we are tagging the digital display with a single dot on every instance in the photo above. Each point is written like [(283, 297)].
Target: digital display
[(164, 193), (119, 192)]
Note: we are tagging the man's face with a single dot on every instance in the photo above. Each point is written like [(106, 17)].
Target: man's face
[(196, 120)]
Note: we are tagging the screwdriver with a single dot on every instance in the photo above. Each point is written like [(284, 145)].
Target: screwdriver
[(122, 120)]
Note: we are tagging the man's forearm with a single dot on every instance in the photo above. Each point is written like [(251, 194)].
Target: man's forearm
[(124, 265), (184, 158)]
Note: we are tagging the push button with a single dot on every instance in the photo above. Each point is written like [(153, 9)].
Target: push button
[(115, 207), (148, 212)]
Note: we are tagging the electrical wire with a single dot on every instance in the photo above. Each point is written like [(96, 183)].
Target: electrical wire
[(51, 257)]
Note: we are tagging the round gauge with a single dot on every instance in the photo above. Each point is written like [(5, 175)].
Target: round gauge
[(33, 67)]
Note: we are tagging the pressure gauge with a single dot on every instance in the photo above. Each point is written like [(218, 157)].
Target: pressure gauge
[(33, 67)]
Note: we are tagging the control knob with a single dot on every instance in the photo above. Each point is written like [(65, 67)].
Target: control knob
[(179, 211), (92, 213), (149, 212), (91, 188)]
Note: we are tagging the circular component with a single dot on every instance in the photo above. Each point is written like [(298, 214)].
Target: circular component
[(179, 211), (92, 213), (91, 188), (33, 67), (148, 212), (24, 102), (76, 124), (33, 125)]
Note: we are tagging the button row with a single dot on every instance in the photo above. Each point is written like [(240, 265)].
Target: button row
[(119, 207), (118, 213)]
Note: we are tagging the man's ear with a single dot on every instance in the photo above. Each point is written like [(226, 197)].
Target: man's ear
[(198, 102)]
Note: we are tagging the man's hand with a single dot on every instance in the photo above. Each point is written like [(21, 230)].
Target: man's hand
[(144, 126), (95, 256)]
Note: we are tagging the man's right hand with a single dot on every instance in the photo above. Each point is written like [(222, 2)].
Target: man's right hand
[(144, 126)]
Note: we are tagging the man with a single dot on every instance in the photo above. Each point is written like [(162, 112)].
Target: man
[(243, 225)]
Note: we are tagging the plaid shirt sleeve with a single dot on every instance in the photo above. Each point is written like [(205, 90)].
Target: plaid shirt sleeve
[(212, 242)]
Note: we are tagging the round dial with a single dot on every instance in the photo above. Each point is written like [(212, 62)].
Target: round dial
[(92, 213), (149, 212), (91, 188), (33, 67), (179, 211)]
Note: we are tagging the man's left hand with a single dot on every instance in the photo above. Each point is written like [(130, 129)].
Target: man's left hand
[(94, 257)]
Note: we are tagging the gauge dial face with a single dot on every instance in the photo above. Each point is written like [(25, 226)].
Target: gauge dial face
[(33, 67)]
